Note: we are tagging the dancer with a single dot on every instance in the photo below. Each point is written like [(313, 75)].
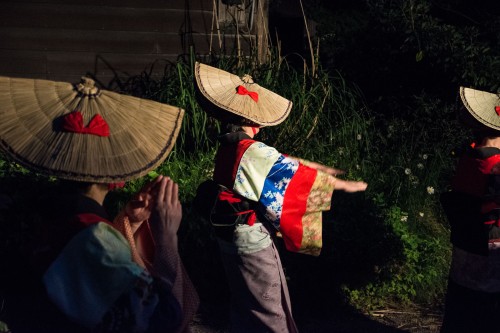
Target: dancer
[(100, 274), (261, 192), (473, 211)]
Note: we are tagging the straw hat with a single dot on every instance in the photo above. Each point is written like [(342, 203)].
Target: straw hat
[(483, 106), (79, 132), (228, 97)]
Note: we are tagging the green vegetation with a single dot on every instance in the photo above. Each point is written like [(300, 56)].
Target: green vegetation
[(4, 328), (329, 124), (395, 129)]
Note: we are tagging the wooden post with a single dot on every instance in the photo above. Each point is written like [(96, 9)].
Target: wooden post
[(262, 30)]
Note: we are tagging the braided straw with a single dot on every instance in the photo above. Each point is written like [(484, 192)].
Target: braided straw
[(481, 105), (218, 88), (141, 132)]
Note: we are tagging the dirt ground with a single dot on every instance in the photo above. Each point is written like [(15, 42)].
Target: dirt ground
[(345, 320), (318, 302)]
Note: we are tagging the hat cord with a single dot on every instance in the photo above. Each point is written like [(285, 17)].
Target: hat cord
[(247, 79), (87, 87)]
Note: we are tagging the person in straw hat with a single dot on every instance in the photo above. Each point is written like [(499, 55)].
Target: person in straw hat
[(260, 192), (121, 275), (473, 211)]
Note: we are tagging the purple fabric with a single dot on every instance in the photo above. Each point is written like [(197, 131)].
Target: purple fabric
[(260, 300)]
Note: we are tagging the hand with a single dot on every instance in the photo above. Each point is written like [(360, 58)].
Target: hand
[(321, 167), (138, 209), (167, 213), (350, 186), (325, 169)]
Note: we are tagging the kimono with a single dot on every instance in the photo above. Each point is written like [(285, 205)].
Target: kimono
[(102, 282), (473, 211), (264, 192), (288, 194)]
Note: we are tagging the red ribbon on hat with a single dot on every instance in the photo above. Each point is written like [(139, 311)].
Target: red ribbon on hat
[(497, 110), (243, 91), (73, 122)]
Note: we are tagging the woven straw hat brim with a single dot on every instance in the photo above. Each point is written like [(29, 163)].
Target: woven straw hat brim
[(481, 105), (141, 132), (219, 88)]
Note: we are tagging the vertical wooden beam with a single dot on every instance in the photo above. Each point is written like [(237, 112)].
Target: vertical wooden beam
[(262, 30)]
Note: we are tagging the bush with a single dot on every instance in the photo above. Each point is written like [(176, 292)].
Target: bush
[(379, 249)]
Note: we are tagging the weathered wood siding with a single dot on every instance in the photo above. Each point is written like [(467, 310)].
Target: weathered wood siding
[(65, 39)]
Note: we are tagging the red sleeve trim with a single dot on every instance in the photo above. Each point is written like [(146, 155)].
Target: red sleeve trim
[(295, 205)]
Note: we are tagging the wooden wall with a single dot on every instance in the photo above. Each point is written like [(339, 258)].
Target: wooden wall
[(65, 39)]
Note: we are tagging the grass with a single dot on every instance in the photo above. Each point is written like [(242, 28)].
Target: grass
[(386, 246)]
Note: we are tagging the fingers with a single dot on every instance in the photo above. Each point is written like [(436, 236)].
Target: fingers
[(147, 188), (167, 214), (174, 200), (334, 172), (356, 186), (168, 192), (361, 186), (162, 190), (350, 186)]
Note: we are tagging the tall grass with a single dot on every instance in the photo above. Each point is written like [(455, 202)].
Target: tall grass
[(404, 158), (386, 246)]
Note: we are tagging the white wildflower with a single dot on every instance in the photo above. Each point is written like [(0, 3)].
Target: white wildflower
[(413, 179), (430, 189), (407, 171), (420, 166), (209, 172), (404, 218), (358, 137), (425, 156), (421, 214)]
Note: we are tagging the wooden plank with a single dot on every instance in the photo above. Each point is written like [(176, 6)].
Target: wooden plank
[(87, 17), (53, 40), (70, 66), (105, 41), (170, 4), (112, 63), (228, 43), (61, 64), (85, 40), (15, 63), (115, 67), (42, 15)]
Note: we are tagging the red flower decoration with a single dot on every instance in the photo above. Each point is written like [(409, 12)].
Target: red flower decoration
[(497, 110), (73, 122), (243, 91)]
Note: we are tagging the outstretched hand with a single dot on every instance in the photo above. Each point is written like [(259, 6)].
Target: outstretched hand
[(321, 167), (340, 184), (139, 208), (350, 185)]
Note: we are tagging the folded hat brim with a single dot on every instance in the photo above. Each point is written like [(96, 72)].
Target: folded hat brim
[(141, 132), (482, 106), (219, 88)]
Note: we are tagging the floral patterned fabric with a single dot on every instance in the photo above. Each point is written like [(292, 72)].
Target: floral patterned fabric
[(290, 195)]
